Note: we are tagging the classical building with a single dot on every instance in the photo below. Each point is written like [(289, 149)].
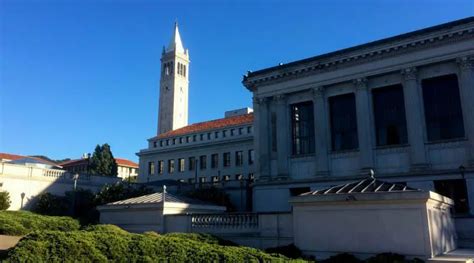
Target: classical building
[(126, 169), (402, 106), (216, 152)]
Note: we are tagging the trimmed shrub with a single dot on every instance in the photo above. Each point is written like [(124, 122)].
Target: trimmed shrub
[(203, 237), (109, 243), (53, 205), (23, 222), (290, 251), (387, 258), (342, 258), (4, 200)]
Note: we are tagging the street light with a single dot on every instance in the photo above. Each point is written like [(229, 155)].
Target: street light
[(462, 169)]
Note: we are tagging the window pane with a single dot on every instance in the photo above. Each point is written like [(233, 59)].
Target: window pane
[(443, 113), (302, 123), (343, 122), (389, 114)]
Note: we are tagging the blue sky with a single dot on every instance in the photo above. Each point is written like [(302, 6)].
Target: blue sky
[(74, 74)]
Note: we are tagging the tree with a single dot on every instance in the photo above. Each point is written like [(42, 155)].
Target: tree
[(103, 161), (4, 200)]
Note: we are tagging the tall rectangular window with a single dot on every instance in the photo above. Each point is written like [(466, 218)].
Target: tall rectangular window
[(389, 114), (251, 156), (302, 124), (160, 167), (239, 158), (214, 160), (226, 159), (202, 162), (181, 164), (273, 121), (443, 113), (171, 166), (151, 168), (343, 122), (191, 163)]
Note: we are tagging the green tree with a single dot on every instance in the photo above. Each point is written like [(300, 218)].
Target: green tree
[(103, 161), (4, 200)]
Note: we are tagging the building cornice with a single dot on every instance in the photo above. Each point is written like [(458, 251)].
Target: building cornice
[(385, 48)]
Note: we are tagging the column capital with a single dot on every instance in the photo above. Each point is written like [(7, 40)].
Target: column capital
[(280, 98), (260, 101), (465, 63), (318, 91), (409, 73), (360, 83)]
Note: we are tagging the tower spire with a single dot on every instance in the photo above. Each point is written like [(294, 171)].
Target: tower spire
[(175, 44)]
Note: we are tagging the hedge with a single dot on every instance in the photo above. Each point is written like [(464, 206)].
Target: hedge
[(23, 222), (109, 243)]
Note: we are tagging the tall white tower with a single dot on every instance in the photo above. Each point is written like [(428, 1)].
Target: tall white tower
[(174, 83)]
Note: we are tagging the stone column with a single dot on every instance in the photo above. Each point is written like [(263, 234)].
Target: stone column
[(282, 135), (320, 132), (415, 119), (261, 138), (364, 128), (466, 90)]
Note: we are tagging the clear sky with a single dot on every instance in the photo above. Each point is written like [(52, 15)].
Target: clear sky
[(74, 74)]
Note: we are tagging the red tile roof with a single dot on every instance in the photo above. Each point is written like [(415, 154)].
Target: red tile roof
[(125, 162), (12, 157), (120, 162), (209, 125)]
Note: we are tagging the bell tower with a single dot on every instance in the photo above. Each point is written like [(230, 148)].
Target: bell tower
[(174, 84)]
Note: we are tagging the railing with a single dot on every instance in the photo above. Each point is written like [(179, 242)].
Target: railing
[(225, 221), (54, 173)]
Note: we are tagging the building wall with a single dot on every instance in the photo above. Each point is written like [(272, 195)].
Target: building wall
[(419, 162), (182, 149), (20, 180)]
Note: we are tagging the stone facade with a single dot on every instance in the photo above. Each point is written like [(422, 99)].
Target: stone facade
[(408, 61)]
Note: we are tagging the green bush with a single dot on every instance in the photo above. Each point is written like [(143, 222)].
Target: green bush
[(342, 258), (4, 200), (290, 251), (53, 205), (109, 243), (120, 191), (23, 222), (203, 237)]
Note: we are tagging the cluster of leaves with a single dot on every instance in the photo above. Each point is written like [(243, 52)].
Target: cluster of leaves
[(379, 258), (290, 251), (103, 162), (4, 200), (23, 222), (109, 243), (212, 195), (120, 191)]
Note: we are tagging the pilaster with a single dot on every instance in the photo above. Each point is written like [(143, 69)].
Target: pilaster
[(321, 127), (466, 90), (415, 119), (283, 135), (261, 139), (364, 130)]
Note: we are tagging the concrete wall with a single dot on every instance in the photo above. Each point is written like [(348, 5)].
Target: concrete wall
[(134, 220), (409, 227), (33, 181)]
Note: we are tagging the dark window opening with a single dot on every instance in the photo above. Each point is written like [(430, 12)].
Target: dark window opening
[(343, 122), (302, 123)]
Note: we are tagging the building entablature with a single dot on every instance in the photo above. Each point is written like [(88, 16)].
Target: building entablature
[(382, 49)]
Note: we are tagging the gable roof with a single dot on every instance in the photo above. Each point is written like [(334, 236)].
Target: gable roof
[(209, 125), (125, 162)]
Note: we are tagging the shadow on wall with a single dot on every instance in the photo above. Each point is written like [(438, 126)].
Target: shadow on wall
[(25, 184)]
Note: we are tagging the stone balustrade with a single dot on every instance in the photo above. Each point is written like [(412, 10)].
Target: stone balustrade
[(225, 221), (54, 173)]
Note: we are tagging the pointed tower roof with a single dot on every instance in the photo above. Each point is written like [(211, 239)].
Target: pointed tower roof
[(175, 43)]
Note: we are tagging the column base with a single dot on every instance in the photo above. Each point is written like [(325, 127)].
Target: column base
[(418, 167), (322, 173)]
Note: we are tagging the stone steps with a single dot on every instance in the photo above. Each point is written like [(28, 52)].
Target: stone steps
[(461, 255)]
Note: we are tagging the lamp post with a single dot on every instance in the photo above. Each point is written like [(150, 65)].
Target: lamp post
[(75, 177), (462, 169)]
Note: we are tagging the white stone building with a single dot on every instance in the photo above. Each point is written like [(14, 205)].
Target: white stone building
[(403, 106)]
